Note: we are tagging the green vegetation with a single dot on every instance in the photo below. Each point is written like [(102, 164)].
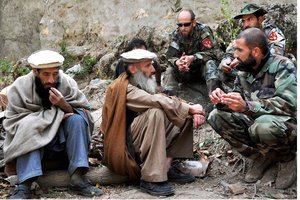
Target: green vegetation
[(229, 29), (177, 6), (88, 63), (69, 59), (225, 9), (9, 72)]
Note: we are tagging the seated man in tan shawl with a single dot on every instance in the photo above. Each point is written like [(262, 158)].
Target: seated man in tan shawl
[(143, 130), (45, 119)]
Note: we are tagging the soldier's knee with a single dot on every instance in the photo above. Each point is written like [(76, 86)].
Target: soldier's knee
[(213, 117), (266, 129)]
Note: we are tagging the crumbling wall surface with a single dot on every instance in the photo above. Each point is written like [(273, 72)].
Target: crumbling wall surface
[(29, 25)]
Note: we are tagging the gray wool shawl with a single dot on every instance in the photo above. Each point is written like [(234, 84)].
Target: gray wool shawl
[(28, 125)]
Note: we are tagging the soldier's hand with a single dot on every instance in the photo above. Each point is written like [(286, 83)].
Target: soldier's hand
[(234, 63), (234, 101), (216, 96), (180, 64), (228, 65), (188, 59)]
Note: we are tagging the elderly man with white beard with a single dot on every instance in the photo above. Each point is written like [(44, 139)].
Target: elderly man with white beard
[(143, 131)]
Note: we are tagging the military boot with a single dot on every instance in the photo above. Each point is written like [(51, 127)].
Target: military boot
[(287, 174), (259, 166)]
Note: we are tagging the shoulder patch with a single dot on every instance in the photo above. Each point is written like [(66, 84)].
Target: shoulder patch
[(174, 45), (207, 43), (273, 36)]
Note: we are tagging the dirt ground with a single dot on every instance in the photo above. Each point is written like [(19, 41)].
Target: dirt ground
[(224, 177), (226, 168)]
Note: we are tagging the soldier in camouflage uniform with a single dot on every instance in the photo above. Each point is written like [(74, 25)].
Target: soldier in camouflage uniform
[(193, 54), (251, 16), (258, 118)]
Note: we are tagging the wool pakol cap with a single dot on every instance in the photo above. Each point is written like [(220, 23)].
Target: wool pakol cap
[(45, 59), (251, 9), (137, 55)]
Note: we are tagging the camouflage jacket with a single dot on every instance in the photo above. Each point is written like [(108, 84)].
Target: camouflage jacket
[(273, 90), (202, 45), (276, 40)]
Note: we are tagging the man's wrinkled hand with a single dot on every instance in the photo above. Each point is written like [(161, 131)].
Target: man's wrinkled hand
[(196, 109), (198, 120)]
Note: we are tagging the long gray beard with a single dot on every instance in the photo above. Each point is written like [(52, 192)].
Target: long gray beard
[(147, 84)]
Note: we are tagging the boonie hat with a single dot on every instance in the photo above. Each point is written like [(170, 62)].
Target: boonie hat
[(251, 9), (45, 59), (137, 55)]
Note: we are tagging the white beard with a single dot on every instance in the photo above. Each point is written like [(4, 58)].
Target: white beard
[(147, 84)]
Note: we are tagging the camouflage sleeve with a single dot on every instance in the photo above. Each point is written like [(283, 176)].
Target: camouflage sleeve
[(276, 40), (284, 100), (228, 55), (211, 50), (173, 49), (230, 50)]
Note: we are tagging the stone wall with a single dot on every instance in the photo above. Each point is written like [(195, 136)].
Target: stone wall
[(29, 25)]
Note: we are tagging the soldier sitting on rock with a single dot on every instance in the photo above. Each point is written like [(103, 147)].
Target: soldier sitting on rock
[(251, 16), (193, 54), (258, 118)]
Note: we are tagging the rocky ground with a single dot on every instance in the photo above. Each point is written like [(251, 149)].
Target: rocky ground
[(223, 178)]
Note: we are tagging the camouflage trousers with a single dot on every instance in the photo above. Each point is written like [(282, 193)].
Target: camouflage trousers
[(255, 137), (199, 72)]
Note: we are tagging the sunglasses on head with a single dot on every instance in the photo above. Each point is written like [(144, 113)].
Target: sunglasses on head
[(184, 24)]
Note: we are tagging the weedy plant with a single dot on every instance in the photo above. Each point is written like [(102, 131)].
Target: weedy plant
[(177, 6), (229, 29), (10, 72)]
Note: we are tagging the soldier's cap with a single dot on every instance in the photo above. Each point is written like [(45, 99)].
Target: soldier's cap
[(45, 59), (137, 55), (251, 9)]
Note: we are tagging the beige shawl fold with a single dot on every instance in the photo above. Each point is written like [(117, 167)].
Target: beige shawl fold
[(28, 125)]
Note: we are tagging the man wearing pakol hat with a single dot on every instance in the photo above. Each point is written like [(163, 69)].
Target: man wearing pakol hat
[(46, 118), (143, 130), (251, 16)]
